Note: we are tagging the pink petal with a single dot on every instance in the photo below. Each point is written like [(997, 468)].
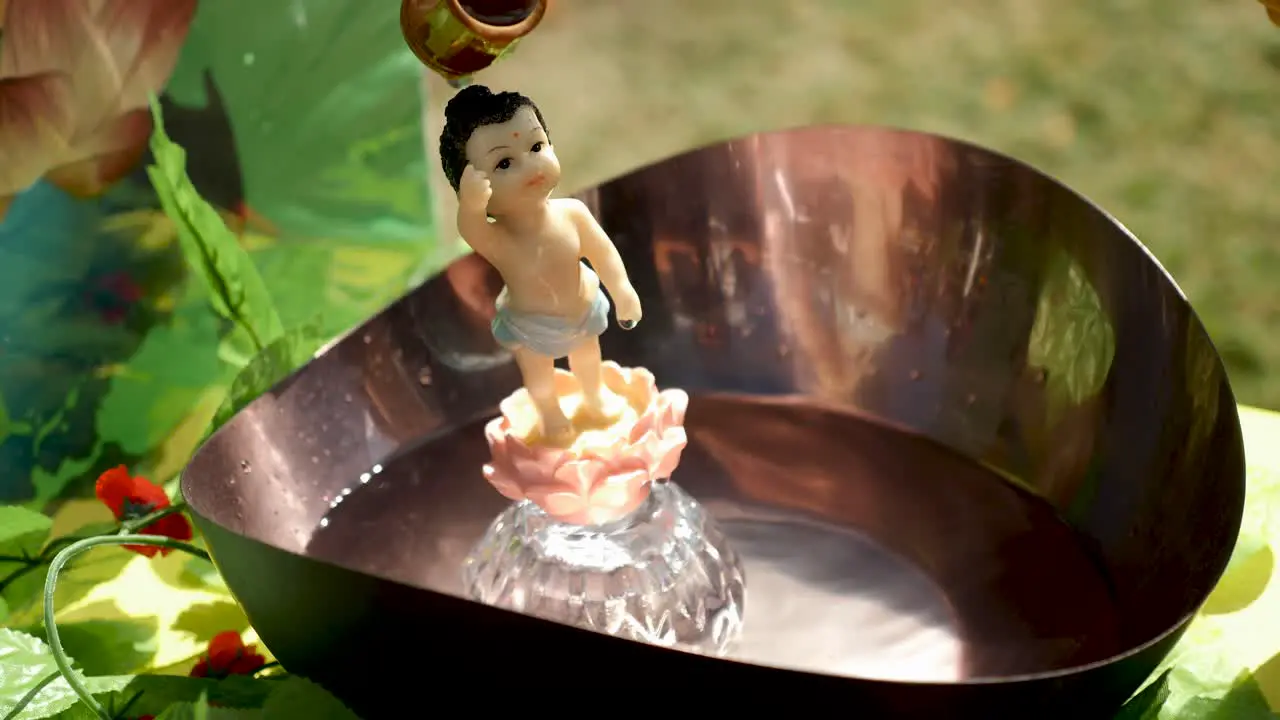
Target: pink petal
[(645, 424), (144, 38), (619, 490), (532, 466), (618, 446), (35, 120), (105, 156), (500, 477), (558, 504), (495, 431), (503, 483), (650, 449), (673, 444), (61, 35), (676, 406), (580, 476), (36, 36)]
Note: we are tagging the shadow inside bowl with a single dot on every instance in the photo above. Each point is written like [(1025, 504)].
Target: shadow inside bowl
[(930, 568)]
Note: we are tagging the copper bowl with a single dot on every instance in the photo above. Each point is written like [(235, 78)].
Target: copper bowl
[(977, 451)]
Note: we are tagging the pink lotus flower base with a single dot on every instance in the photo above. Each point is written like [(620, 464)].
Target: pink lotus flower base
[(607, 471), (595, 537)]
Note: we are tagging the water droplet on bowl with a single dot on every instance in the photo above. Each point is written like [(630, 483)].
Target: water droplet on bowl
[(245, 466)]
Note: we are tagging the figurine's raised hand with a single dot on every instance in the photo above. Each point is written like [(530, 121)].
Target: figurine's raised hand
[(628, 308), (474, 190)]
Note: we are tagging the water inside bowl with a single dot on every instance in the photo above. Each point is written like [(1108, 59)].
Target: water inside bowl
[(868, 551)]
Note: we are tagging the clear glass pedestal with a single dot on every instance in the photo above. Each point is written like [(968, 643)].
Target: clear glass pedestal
[(665, 574)]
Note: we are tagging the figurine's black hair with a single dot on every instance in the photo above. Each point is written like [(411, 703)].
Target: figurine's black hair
[(474, 107)]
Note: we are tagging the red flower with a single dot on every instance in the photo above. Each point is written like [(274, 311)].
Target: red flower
[(113, 296), (228, 655), (131, 497)]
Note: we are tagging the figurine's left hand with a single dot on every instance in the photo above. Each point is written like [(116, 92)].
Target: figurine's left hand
[(627, 308)]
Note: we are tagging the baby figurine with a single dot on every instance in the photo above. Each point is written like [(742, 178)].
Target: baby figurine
[(497, 154)]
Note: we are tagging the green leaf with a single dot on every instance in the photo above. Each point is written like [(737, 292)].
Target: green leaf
[(49, 484), (349, 279), (26, 661), (189, 711), (155, 391), (200, 573), (22, 531), (1146, 704), (203, 621), (203, 711), (107, 647), (155, 694), (77, 579), (236, 290), (1252, 563), (6, 422), (325, 101), (1244, 701), (198, 710), (300, 698), (267, 368)]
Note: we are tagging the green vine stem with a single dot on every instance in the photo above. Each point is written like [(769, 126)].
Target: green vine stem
[(128, 526), (50, 586), (132, 526)]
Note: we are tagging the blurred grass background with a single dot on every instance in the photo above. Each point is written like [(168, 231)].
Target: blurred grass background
[(1165, 112)]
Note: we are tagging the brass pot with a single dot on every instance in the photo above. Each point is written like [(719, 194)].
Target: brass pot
[(457, 38)]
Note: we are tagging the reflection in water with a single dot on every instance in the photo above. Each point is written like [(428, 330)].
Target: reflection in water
[(916, 634), (867, 551)]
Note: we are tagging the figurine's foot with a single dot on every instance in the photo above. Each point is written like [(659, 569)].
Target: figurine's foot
[(557, 432), (601, 409)]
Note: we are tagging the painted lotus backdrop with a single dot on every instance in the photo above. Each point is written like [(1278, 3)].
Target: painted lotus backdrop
[(302, 127)]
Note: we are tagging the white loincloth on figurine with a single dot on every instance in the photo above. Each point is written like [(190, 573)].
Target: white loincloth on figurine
[(550, 335)]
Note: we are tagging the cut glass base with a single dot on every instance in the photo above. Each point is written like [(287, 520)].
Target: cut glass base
[(665, 574)]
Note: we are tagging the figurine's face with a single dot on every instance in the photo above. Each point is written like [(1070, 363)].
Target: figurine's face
[(518, 159)]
